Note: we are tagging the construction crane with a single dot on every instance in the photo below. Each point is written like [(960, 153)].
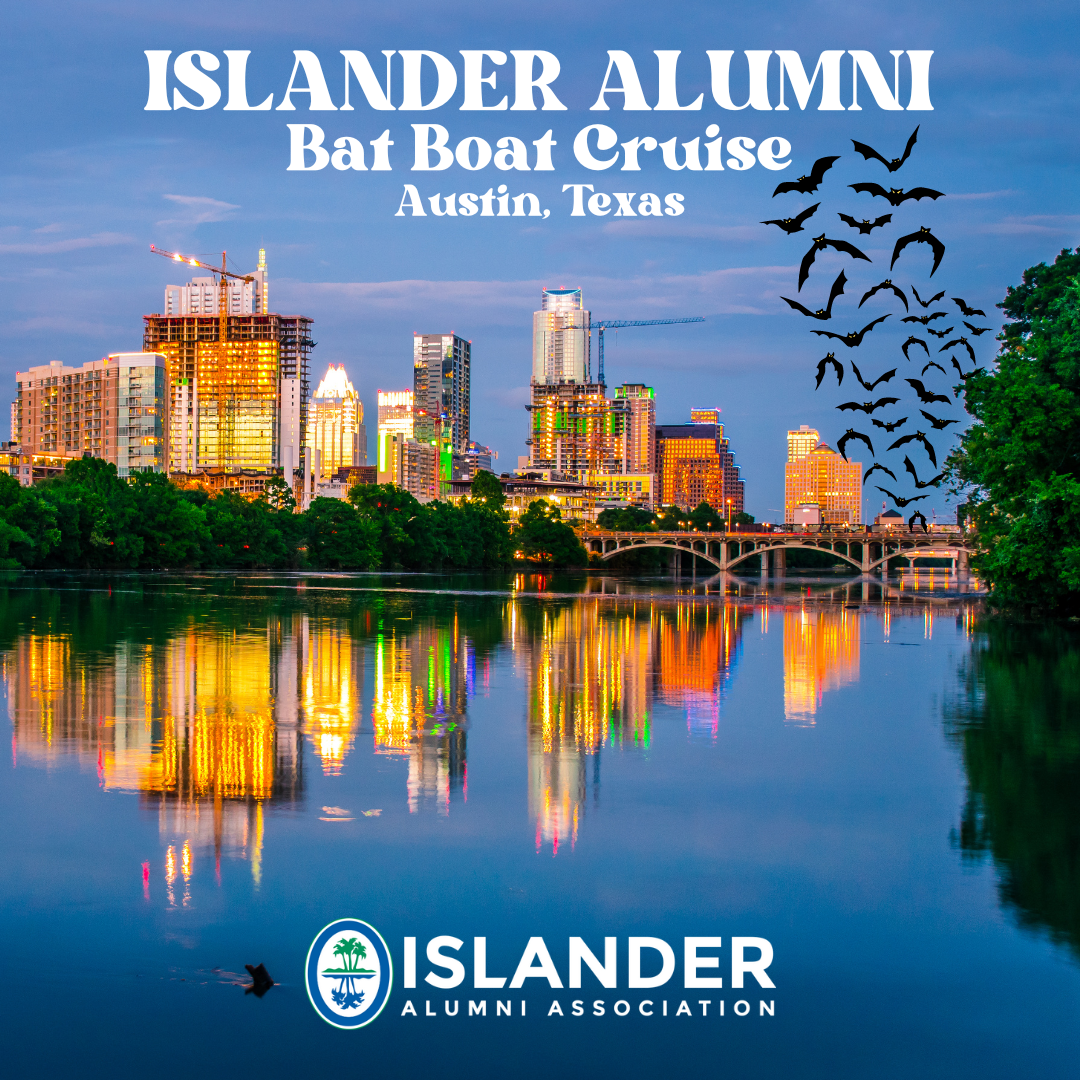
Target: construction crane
[(615, 324), (223, 275)]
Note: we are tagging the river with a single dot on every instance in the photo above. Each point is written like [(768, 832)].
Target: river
[(869, 777)]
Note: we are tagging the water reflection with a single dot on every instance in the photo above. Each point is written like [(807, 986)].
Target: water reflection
[(424, 677), (1015, 715), (205, 695), (821, 653), (594, 672)]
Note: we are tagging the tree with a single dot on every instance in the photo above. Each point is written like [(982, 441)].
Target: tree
[(743, 518), (173, 530), (278, 495), (542, 536), (487, 487), (628, 519), (1017, 465), (705, 519), (671, 519), (339, 538), (396, 514)]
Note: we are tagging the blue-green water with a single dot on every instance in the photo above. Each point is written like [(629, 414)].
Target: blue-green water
[(205, 771)]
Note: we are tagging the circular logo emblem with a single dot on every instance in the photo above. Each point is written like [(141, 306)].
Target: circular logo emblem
[(348, 973)]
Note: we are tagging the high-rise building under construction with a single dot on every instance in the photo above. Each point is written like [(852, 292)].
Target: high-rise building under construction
[(239, 381)]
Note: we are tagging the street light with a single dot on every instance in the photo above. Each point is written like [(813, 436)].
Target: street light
[(729, 515)]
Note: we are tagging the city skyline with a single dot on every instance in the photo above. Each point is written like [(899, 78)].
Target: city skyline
[(82, 210)]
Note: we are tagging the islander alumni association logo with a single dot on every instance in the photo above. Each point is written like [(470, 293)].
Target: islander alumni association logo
[(348, 973)]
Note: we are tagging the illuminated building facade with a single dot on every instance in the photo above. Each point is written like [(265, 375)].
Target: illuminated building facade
[(560, 338), (639, 428), (441, 389), (114, 408), (622, 489), (420, 469), (395, 429), (575, 429), (225, 377), (694, 464), (476, 459), (823, 479), (821, 653), (335, 425), (801, 442)]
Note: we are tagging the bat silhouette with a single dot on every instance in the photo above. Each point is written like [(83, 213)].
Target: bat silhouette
[(874, 468), (918, 436), (793, 224), (837, 366), (925, 396), (896, 498), (933, 363), (916, 516), (825, 312), (865, 226), (870, 386), (808, 184), (868, 406), (923, 236), (924, 319), (869, 152), (940, 333), (842, 442), (886, 284), (939, 425), (820, 244), (959, 341), (920, 484), (932, 300), (960, 370), (968, 311), (855, 336), (977, 331), (896, 196), (890, 428), (913, 340)]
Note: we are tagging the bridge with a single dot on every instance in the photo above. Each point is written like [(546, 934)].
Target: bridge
[(866, 551)]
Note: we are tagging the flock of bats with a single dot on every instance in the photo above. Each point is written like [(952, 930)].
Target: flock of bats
[(808, 185)]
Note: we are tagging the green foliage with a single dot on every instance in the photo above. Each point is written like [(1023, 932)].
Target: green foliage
[(1016, 719), (1018, 463), (397, 517), (91, 519), (339, 538), (631, 519), (671, 519), (487, 487), (705, 519), (278, 494), (743, 518), (542, 536), (173, 530)]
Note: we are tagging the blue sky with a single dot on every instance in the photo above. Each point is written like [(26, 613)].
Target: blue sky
[(90, 179)]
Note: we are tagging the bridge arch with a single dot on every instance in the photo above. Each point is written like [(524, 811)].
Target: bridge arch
[(726, 551)]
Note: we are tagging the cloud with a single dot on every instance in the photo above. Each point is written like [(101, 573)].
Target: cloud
[(54, 247), (201, 210), (638, 230), (985, 194), (749, 290), (1040, 224)]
